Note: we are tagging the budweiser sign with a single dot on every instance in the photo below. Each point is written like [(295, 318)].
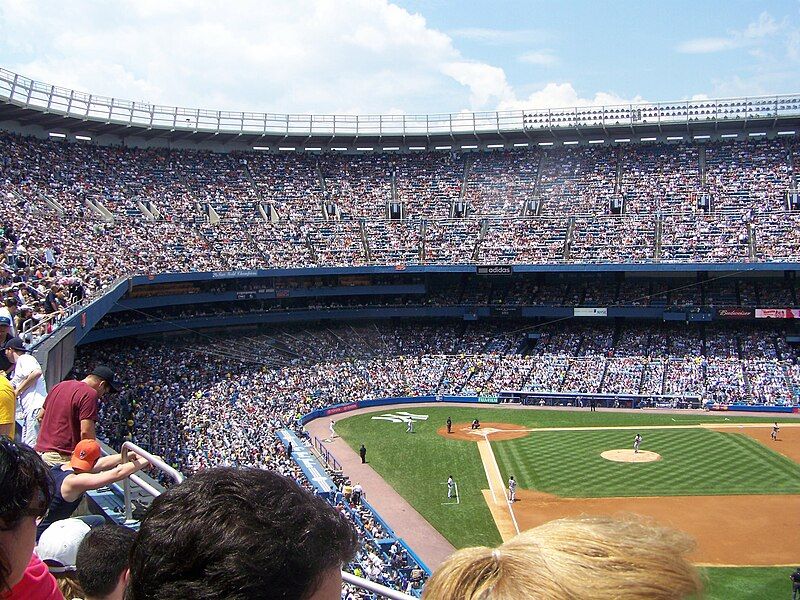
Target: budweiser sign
[(736, 313)]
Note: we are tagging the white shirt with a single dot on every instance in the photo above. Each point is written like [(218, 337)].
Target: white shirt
[(12, 328), (34, 395)]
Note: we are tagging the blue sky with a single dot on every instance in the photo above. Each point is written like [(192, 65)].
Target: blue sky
[(374, 56)]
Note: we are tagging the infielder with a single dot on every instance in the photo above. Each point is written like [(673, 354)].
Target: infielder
[(451, 487), (512, 489), (410, 426), (774, 434), (333, 433), (636, 442)]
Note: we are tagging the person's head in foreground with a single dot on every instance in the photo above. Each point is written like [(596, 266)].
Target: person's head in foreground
[(24, 496), (58, 548), (102, 562), (597, 558), (240, 534)]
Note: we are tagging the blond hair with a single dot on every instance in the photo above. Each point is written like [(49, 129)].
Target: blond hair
[(569, 559), (68, 585)]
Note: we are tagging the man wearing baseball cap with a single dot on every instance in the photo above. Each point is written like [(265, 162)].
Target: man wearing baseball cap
[(29, 387), (69, 414), (86, 470)]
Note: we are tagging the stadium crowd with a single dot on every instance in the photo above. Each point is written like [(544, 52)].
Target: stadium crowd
[(174, 210)]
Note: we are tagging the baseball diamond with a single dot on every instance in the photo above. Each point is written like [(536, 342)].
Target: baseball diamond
[(718, 478)]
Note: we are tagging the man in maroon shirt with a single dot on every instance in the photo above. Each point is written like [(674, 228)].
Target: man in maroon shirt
[(70, 412)]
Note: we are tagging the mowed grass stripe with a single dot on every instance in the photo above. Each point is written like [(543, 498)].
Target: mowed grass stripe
[(694, 462)]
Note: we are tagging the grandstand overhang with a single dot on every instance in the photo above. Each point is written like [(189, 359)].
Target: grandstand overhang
[(38, 108)]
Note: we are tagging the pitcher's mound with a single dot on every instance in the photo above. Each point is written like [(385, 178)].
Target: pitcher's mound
[(630, 456)]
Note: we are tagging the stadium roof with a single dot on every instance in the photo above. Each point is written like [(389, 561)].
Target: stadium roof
[(60, 110)]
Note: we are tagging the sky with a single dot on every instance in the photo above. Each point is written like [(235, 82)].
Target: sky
[(409, 56)]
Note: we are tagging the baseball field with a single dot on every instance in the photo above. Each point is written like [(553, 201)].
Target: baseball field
[(720, 478)]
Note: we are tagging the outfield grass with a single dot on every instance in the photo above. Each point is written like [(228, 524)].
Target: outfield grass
[(744, 582), (694, 462)]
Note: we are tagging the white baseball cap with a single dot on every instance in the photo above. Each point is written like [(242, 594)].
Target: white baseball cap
[(58, 545)]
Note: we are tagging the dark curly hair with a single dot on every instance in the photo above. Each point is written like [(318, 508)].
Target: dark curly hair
[(238, 534), (26, 490)]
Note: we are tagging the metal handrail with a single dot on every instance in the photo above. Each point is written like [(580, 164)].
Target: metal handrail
[(376, 588), (176, 475)]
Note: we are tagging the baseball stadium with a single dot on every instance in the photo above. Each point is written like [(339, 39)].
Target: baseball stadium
[(447, 329)]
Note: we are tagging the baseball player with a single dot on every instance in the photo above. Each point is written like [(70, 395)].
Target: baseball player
[(512, 489), (636, 442), (451, 486), (774, 434), (449, 425), (410, 426), (333, 433)]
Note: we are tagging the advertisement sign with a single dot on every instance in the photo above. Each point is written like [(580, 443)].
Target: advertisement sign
[(735, 313), (494, 270), (505, 311), (590, 312), (773, 313)]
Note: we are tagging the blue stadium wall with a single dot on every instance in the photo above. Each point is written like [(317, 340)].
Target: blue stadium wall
[(56, 352)]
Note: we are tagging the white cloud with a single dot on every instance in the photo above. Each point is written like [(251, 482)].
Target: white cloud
[(544, 58), (499, 37), (706, 45), (763, 27), (564, 95), (485, 82), (306, 56)]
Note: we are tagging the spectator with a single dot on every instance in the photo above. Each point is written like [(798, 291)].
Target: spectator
[(25, 497), (8, 310), (265, 537), (58, 548), (7, 408), (580, 557), (70, 412), (103, 562), (85, 471), (29, 387)]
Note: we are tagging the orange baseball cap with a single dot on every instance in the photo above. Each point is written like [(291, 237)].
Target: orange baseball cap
[(85, 455)]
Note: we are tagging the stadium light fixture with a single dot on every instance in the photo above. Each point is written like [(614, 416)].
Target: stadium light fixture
[(55, 134), (729, 135), (757, 134), (443, 147), (365, 148), (596, 141), (674, 138), (545, 143), (622, 140), (521, 145), (339, 149), (417, 148), (286, 148), (260, 147), (571, 143), (649, 139), (786, 133), (469, 147), (83, 138), (313, 149), (702, 137), (391, 148), (495, 146)]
